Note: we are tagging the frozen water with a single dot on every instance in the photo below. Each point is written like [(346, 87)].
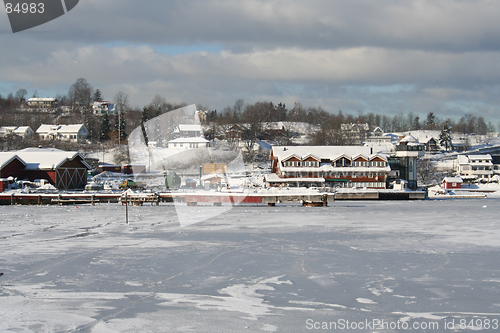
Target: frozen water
[(251, 268)]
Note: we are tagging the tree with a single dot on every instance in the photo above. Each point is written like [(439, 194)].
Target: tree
[(145, 117), (105, 128), (430, 122), (445, 136), (157, 106), (20, 95), (80, 93), (122, 105), (426, 171), (416, 123), (482, 128), (97, 96)]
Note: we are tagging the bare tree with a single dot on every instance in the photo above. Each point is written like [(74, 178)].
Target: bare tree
[(426, 171), (122, 105), (157, 106), (81, 93)]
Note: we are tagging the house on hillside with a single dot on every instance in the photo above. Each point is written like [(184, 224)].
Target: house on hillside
[(378, 136), (43, 103), (430, 139), (188, 143), (355, 133), (101, 108), (23, 132), (73, 133), (188, 131), (475, 166), (332, 166), (237, 132)]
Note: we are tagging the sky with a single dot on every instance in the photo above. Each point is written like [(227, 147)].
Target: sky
[(381, 56)]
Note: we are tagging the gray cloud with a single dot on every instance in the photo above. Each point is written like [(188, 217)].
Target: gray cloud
[(372, 56)]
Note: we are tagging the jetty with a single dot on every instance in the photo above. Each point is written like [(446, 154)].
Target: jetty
[(270, 198)]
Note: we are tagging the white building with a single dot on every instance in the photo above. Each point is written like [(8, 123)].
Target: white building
[(74, 132), (188, 143), (103, 107), (44, 102), (188, 131), (408, 151), (21, 131), (475, 166), (337, 166)]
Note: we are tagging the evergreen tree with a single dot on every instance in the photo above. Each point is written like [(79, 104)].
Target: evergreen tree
[(144, 118), (416, 123), (97, 96), (105, 128), (431, 121), (445, 136)]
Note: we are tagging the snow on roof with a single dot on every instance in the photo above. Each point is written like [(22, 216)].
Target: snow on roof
[(462, 159), (480, 157), (189, 127), (22, 129), (424, 136), (453, 180), (42, 99), (409, 138), (73, 128), (7, 157), (323, 152), (7, 128), (47, 158)]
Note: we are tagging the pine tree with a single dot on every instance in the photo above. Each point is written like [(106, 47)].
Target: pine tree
[(416, 123), (97, 96), (144, 118), (105, 128), (431, 121), (445, 136)]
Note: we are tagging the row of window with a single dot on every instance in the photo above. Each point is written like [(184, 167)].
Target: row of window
[(315, 164), (191, 145), (481, 168), (333, 174), (371, 163), (303, 163), (368, 184)]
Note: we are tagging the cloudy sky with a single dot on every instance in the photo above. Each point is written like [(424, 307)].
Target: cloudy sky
[(383, 56)]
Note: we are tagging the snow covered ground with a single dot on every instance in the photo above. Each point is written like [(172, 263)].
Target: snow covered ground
[(253, 269)]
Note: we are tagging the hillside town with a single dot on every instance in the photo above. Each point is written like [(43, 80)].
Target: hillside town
[(278, 148)]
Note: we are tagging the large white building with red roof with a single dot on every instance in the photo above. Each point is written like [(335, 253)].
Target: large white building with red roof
[(332, 166)]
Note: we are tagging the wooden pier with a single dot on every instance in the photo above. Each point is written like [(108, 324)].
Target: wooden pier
[(215, 198)]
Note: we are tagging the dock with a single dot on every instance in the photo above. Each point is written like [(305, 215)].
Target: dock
[(271, 198)]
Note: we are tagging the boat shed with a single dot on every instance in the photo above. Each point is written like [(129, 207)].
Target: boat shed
[(11, 165), (63, 169)]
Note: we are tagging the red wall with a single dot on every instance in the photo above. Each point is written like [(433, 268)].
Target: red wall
[(450, 185), (14, 169)]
